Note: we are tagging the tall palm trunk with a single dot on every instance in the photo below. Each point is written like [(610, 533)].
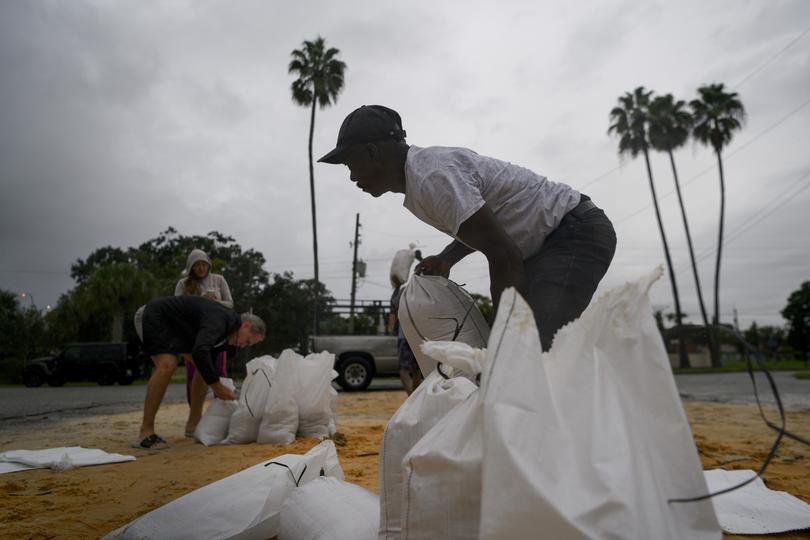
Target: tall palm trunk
[(314, 223), (701, 303), (716, 320), (683, 355)]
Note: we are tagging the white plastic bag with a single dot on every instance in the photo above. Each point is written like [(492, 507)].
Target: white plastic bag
[(428, 404), (213, 426), (245, 421), (433, 308), (589, 440), (329, 509), (243, 506), (312, 392), (280, 418)]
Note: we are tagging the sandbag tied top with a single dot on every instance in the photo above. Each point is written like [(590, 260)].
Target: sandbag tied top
[(433, 308), (456, 358)]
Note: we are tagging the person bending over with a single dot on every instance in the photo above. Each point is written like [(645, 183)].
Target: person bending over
[(545, 238), (176, 325)]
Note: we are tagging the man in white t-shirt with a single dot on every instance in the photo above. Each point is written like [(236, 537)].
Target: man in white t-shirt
[(542, 237)]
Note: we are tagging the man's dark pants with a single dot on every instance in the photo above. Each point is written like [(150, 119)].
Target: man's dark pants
[(563, 275)]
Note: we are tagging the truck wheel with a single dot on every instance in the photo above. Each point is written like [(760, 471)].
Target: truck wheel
[(33, 377), (354, 373), (107, 376), (126, 380)]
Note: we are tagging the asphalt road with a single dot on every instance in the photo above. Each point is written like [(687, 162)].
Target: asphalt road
[(23, 405)]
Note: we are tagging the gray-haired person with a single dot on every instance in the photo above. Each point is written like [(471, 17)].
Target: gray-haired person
[(545, 238), (188, 324)]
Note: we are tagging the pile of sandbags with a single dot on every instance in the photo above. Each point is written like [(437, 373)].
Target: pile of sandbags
[(588, 440), (281, 398)]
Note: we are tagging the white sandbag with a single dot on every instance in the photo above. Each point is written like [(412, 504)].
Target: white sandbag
[(243, 506), (280, 417), (329, 509), (753, 508), (441, 491), (428, 404), (313, 385), (244, 425), (58, 459), (213, 426), (589, 440), (401, 266), (433, 308)]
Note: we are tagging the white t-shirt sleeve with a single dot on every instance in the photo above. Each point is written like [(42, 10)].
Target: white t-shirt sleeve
[(449, 198)]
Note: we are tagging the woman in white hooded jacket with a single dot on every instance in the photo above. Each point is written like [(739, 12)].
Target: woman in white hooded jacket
[(198, 280)]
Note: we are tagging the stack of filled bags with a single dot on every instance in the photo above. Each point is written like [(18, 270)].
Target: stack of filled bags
[(279, 399)]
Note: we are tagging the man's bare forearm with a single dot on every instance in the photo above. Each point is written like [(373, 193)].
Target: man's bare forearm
[(455, 251)]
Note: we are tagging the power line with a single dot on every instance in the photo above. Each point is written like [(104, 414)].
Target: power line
[(772, 58), (727, 156), (753, 221)]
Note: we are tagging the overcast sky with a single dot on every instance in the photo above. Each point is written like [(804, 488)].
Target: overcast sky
[(119, 119)]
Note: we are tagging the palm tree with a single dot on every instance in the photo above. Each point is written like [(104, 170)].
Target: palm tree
[(118, 289), (630, 121), (320, 80), (717, 115), (670, 125)]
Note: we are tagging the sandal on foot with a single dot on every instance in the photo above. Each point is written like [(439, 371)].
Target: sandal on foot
[(153, 441), (190, 434)]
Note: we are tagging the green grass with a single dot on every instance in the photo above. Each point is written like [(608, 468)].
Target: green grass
[(803, 375), (736, 366)]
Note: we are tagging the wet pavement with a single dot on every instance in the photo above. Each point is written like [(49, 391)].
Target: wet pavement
[(23, 405)]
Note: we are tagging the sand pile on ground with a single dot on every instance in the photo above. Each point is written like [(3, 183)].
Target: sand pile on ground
[(91, 501)]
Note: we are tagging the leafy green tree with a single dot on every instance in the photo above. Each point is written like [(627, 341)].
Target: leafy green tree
[(320, 80), (670, 125), (164, 257), (21, 335), (118, 289), (797, 313), (717, 115), (286, 305), (630, 121)]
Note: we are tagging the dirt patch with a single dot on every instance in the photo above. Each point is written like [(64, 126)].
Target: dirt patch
[(91, 501)]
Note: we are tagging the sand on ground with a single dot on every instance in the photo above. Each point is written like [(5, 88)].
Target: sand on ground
[(88, 502)]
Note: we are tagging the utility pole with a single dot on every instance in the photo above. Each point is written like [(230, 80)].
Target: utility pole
[(354, 272)]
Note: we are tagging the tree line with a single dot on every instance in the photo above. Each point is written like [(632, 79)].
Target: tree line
[(112, 282)]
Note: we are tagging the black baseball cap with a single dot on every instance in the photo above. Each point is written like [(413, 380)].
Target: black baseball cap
[(369, 123)]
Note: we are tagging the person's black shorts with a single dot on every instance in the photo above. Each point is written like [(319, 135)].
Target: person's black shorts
[(158, 337)]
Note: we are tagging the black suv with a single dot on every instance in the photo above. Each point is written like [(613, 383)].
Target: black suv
[(105, 363)]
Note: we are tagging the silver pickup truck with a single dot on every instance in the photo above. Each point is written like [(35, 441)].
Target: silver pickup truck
[(358, 359)]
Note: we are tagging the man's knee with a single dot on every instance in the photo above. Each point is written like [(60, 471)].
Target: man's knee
[(164, 363)]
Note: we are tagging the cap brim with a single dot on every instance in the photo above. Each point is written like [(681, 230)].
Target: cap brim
[(334, 157)]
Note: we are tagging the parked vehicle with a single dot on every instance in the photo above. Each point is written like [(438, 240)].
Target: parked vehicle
[(104, 363), (358, 359)]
